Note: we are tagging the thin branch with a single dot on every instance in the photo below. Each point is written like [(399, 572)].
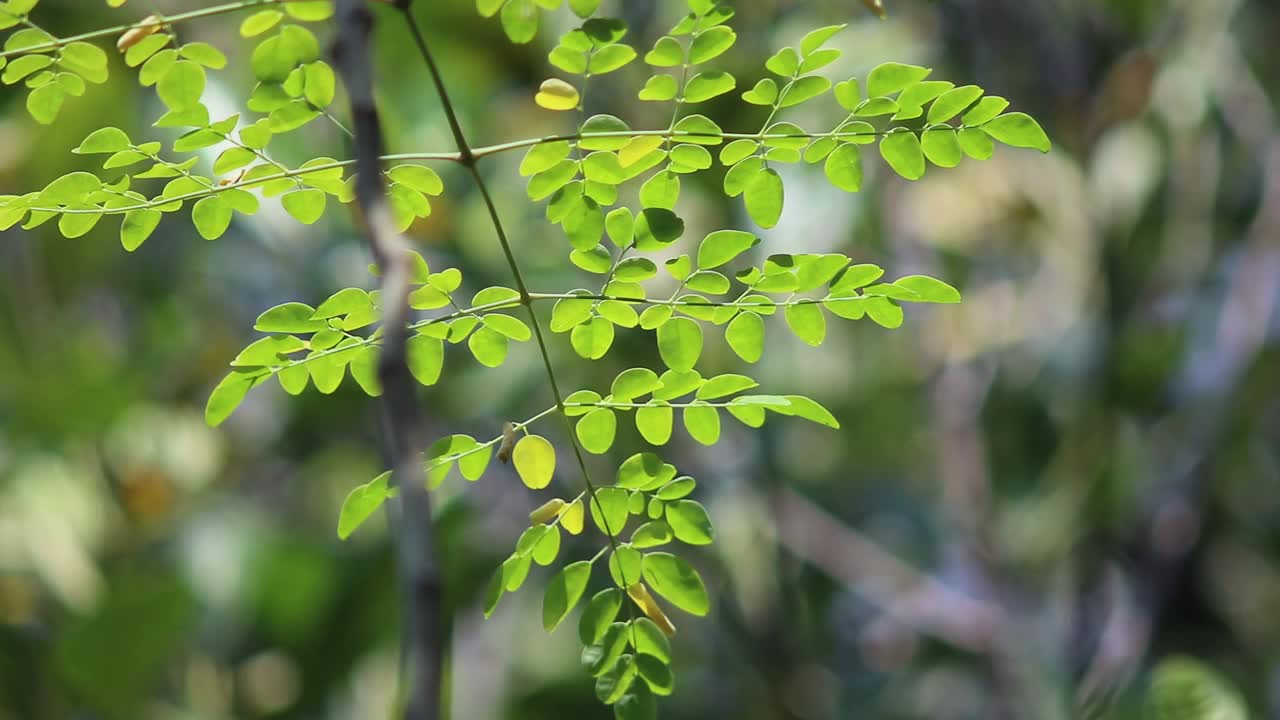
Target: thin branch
[(423, 650), (456, 157), (159, 21), (468, 158), (906, 594)]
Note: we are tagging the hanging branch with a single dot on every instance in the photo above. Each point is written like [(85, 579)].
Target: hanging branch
[(419, 572)]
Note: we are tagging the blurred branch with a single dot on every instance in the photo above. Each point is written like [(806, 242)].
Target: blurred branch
[(419, 572), (911, 597)]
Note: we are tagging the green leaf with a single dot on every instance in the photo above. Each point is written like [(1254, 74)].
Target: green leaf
[(652, 534), (596, 430), (624, 565), (535, 461), (426, 358), (609, 509), (711, 44), (659, 88), (1019, 130), (676, 489), (844, 168), (362, 502), (941, 146), (805, 88), (509, 327), (702, 421), (884, 312), (661, 191), (182, 85), (675, 580), (637, 704), (45, 102), (654, 423), (568, 313), (952, 103), (633, 383), (987, 109), (612, 685), (912, 100), (690, 522), (519, 20), (137, 227), (666, 52), (929, 289), (233, 159), (598, 615), (563, 593), (640, 471), (808, 409), (784, 63), (723, 246), (310, 10), (707, 85), (604, 124), (85, 59), (764, 197), (610, 58), (306, 206), (699, 129), (680, 343), (105, 140), (817, 38), (976, 144), (228, 394), (724, 385), (204, 54), (593, 339), (765, 92), (25, 66), (901, 149), (656, 228), (211, 216), (488, 346), (543, 157), (745, 335), (260, 22), (807, 322), (891, 77)]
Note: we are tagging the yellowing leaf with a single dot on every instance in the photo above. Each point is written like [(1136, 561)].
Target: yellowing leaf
[(556, 94), (535, 461)]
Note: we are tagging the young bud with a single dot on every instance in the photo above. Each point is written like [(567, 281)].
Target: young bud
[(508, 442), (640, 594), (232, 178), (549, 511), (135, 35)]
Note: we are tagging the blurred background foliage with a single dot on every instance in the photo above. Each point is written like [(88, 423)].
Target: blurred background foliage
[(1036, 496)]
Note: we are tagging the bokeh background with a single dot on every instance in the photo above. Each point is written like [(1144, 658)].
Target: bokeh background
[(1035, 497)]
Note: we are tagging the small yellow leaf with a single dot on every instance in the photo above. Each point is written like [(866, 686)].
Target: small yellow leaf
[(571, 518), (640, 594), (639, 146), (535, 461), (556, 94), (115, 3)]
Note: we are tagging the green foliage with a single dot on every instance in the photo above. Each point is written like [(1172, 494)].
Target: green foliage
[(722, 283), (1185, 689)]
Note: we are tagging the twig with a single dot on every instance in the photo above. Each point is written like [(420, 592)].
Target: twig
[(423, 650), (906, 594)]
